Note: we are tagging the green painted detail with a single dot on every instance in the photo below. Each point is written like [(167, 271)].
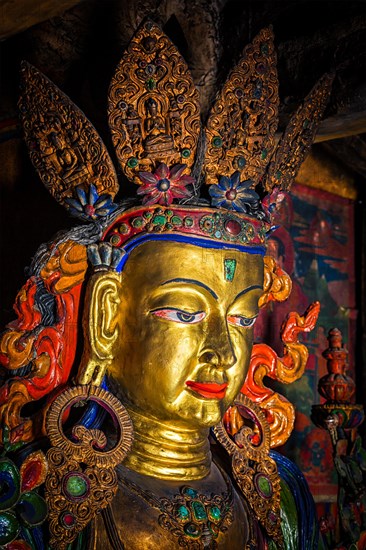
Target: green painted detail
[(229, 268), (186, 153), (289, 519), (169, 212), (278, 175), (9, 527), (9, 484), (151, 84), (132, 162), (199, 511), (215, 513), (189, 492), (76, 486), (176, 220), (32, 509), (188, 222), (264, 485), (147, 215), (306, 123), (169, 226), (159, 220), (137, 222), (183, 513), (217, 141), (264, 153), (264, 48)]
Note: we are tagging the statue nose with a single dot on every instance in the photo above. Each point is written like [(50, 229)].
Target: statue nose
[(223, 358), (209, 357)]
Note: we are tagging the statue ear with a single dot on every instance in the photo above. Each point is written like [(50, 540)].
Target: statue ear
[(100, 326)]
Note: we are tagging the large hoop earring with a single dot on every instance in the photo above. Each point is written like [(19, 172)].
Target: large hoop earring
[(253, 468), (81, 479)]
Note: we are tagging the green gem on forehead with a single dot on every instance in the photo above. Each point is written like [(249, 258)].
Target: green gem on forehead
[(229, 267)]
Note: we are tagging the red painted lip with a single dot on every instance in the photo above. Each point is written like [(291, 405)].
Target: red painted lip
[(209, 390)]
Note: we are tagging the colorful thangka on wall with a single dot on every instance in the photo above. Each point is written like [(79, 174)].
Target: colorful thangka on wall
[(315, 245)]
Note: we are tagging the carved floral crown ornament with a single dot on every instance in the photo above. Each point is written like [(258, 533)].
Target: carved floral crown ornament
[(161, 146), (154, 117)]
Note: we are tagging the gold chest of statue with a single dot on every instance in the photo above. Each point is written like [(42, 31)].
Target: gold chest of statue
[(153, 521)]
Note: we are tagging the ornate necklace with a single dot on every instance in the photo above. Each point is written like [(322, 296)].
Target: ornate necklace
[(195, 519)]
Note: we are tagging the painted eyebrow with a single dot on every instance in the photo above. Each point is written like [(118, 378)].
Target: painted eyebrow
[(192, 282), (253, 287)]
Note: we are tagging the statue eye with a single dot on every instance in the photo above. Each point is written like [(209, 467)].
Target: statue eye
[(241, 321), (180, 316)]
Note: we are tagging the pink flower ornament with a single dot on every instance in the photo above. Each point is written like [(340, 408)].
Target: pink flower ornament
[(165, 184)]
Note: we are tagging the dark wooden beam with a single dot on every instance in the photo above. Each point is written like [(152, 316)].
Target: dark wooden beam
[(17, 16)]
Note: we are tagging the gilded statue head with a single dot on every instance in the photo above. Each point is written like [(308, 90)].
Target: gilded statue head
[(176, 328)]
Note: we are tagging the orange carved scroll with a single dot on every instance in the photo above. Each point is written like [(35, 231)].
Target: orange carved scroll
[(280, 413)]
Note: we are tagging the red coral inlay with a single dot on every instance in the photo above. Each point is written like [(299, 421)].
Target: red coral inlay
[(31, 475)]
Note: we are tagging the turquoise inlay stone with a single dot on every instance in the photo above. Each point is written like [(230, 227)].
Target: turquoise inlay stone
[(188, 222), (199, 511), (176, 220), (183, 513), (76, 486), (218, 234), (229, 267), (186, 153), (132, 162), (241, 162), (215, 513), (189, 492), (138, 222), (159, 220), (217, 141)]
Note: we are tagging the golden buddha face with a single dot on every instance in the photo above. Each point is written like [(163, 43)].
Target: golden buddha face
[(185, 324)]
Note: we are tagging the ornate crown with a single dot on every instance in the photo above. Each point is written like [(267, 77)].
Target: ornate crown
[(154, 117)]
